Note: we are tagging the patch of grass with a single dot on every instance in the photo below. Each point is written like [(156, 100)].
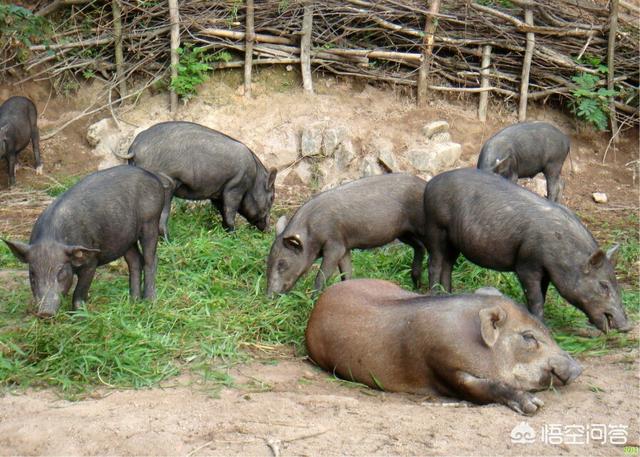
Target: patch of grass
[(211, 302)]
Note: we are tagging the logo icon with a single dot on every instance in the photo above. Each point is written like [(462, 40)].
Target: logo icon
[(523, 434)]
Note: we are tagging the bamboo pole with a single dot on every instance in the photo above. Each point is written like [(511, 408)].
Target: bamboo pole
[(248, 50), (305, 48), (611, 52), (427, 52), (484, 82), (174, 16), (526, 67), (117, 32)]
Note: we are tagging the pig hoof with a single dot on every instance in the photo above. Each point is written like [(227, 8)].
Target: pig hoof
[(526, 404), (39, 169)]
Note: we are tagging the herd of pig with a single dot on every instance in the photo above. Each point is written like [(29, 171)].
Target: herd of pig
[(480, 347)]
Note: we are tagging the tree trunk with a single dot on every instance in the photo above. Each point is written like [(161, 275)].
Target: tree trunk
[(248, 50), (484, 82), (427, 52), (305, 48), (174, 17), (611, 52), (117, 33), (526, 67)]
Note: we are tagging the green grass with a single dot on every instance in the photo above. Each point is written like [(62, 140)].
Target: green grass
[(211, 305)]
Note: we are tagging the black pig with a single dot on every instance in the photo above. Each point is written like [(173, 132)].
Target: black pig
[(500, 225), (204, 164), (95, 222), (526, 149), (18, 126), (366, 213)]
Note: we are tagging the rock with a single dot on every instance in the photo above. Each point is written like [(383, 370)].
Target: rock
[(344, 155), (441, 137), (331, 138), (434, 158), (278, 148), (96, 132), (430, 129), (370, 166), (599, 197), (383, 149), (537, 184), (311, 140), (303, 171)]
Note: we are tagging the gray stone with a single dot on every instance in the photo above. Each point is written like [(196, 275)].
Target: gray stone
[(311, 140), (430, 129), (434, 158), (96, 132), (441, 137), (303, 171), (331, 138), (600, 197), (344, 155), (388, 160), (537, 184), (279, 148), (370, 166)]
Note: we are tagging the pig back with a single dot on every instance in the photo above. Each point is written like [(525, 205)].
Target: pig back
[(494, 222), (202, 159), (365, 213), (105, 211)]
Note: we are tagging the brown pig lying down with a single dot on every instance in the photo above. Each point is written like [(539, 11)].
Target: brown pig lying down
[(479, 347)]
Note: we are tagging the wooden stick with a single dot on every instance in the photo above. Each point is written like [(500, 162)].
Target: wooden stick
[(53, 6), (117, 34), (305, 48), (174, 16), (526, 67), (484, 82), (258, 37), (427, 52), (248, 49), (611, 62)]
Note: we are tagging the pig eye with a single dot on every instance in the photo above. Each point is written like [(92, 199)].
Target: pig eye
[(282, 265), (605, 287), (529, 338)]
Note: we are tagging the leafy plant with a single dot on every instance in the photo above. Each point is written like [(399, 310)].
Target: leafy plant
[(590, 102), (22, 25), (193, 68)]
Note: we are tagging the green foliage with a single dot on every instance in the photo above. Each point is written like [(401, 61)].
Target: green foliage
[(211, 305), (589, 101), (193, 68), (22, 25), (503, 3)]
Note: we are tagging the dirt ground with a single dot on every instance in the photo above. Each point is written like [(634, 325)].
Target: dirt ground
[(281, 405)]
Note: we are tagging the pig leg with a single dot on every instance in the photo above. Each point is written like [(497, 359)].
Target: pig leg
[(149, 243), (331, 256), (231, 202), (554, 186), (11, 168), (482, 390), (164, 216), (134, 262), (418, 258), (535, 288), (448, 261), (85, 277), (35, 143), (345, 266), (438, 245)]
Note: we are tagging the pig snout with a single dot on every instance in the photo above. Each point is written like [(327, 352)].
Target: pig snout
[(612, 320), (263, 225), (565, 368), (48, 305)]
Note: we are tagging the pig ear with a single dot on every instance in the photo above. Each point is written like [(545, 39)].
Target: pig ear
[(612, 254), (271, 179), (79, 255), (281, 225), (595, 261), (20, 250), (293, 242), (491, 319), (3, 130), (502, 166)]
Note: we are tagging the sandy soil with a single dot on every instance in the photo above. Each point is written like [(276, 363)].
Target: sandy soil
[(288, 407), (281, 405)]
